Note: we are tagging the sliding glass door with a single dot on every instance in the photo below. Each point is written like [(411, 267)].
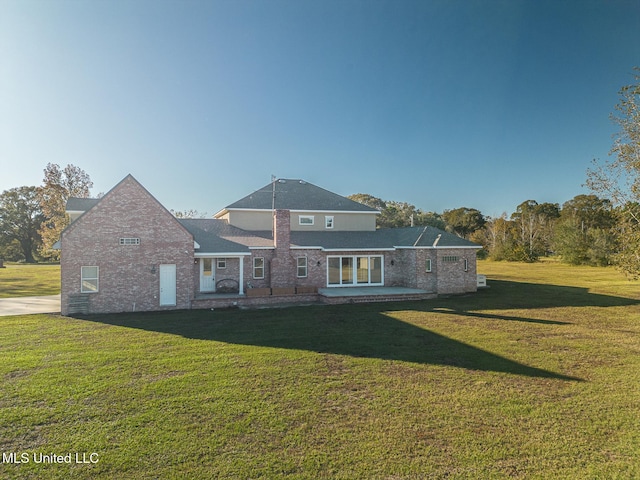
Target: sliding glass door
[(354, 270)]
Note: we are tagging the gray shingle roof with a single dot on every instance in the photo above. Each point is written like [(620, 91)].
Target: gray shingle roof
[(382, 238), (295, 194), (75, 204), (217, 236)]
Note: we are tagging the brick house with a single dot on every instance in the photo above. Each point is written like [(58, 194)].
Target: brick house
[(288, 242)]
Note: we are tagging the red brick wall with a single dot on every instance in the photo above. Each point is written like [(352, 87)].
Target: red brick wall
[(129, 274), (452, 278)]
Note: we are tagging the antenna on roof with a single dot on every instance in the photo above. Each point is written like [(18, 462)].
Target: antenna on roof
[(273, 203), (273, 192)]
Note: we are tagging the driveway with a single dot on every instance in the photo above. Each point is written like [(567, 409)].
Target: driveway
[(29, 305)]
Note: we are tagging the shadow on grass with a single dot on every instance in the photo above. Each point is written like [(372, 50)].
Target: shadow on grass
[(366, 330), (507, 295)]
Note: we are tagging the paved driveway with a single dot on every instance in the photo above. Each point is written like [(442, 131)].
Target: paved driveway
[(29, 305)]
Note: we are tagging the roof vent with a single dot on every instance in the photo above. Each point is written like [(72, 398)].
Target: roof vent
[(282, 180), (302, 182)]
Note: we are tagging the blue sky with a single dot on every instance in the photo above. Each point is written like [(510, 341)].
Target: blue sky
[(442, 104)]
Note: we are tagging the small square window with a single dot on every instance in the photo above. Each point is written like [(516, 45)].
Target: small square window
[(222, 263), (302, 267), (305, 220)]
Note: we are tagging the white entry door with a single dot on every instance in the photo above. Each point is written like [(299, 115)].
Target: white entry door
[(167, 284), (207, 275)]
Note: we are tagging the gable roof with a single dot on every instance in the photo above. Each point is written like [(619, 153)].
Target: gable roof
[(85, 205), (296, 194), (75, 204)]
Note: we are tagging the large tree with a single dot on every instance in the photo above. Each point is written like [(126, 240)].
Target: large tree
[(464, 221), (619, 178), (535, 222), (58, 186), (398, 214), (20, 219), (584, 233)]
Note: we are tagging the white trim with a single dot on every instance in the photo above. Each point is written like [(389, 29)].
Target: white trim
[(377, 212), (96, 278), (196, 245), (346, 249), (306, 217), (311, 247), (354, 271), (263, 267), (305, 266), (439, 247), (220, 254), (329, 219), (227, 210), (259, 248)]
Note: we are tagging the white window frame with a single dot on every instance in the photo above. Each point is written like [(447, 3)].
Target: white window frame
[(354, 271), (308, 220), (466, 264), (428, 265), (256, 267), (86, 278), (302, 264), (329, 221), (221, 263)]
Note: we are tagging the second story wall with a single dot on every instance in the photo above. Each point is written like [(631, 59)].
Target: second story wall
[(303, 220)]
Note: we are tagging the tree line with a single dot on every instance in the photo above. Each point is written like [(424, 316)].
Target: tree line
[(32, 218), (584, 230), (602, 228), (598, 229)]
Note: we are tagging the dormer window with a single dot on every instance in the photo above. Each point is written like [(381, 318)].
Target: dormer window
[(305, 220)]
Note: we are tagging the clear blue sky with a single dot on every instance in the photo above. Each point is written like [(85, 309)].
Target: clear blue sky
[(439, 103)]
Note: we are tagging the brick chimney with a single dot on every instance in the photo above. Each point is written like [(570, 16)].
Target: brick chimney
[(282, 271), (282, 230)]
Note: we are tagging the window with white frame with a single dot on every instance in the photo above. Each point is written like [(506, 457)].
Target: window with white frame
[(466, 265), (450, 258), (258, 268), (89, 279), (427, 265), (328, 221), (355, 270), (222, 263), (129, 241), (305, 220), (302, 267)]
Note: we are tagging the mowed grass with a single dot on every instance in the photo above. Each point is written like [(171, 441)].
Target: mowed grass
[(26, 280), (536, 377)]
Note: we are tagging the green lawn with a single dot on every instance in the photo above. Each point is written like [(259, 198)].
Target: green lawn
[(25, 280), (536, 377)]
